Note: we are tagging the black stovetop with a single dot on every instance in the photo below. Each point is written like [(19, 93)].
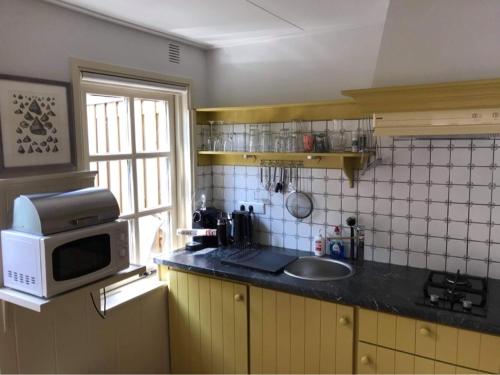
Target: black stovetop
[(455, 292)]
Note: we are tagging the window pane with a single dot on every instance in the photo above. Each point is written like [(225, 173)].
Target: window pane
[(108, 124), (154, 236), (151, 125), (153, 182), (116, 176)]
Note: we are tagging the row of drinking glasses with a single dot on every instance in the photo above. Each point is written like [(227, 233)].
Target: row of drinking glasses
[(286, 140)]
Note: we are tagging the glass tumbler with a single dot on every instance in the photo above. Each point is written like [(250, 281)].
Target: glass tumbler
[(308, 142), (253, 139), (228, 142), (239, 142), (265, 140), (320, 143)]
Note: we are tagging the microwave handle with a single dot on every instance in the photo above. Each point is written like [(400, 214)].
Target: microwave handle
[(88, 220)]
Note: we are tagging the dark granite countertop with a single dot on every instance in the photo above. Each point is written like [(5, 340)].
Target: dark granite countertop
[(378, 286)]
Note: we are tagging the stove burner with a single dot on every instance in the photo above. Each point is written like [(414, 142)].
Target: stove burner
[(453, 296), (455, 292), (458, 280)]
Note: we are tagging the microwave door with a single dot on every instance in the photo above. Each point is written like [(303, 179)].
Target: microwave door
[(73, 263)]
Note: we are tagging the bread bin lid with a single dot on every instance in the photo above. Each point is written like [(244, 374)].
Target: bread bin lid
[(50, 213)]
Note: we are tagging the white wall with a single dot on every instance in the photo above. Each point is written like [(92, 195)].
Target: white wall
[(428, 41), (422, 41), (308, 68), (37, 39)]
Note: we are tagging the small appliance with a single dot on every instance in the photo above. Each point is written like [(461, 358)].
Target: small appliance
[(455, 292), (243, 227), (62, 241), (205, 218)]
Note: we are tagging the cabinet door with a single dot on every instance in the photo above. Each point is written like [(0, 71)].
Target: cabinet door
[(425, 340), (490, 353), (404, 363), (366, 362), (424, 365), (293, 334), (208, 325)]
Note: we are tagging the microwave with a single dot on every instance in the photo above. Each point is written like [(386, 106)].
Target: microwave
[(52, 264)]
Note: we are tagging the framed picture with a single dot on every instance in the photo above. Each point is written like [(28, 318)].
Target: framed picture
[(36, 126)]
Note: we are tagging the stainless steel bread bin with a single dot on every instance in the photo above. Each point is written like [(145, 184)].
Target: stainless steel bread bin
[(45, 214)]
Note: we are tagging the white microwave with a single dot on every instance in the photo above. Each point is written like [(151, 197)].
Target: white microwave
[(49, 265)]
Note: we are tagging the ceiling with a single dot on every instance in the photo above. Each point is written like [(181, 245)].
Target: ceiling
[(223, 23)]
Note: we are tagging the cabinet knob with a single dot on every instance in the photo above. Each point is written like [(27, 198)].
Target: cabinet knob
[(365, 360), (425, 331), (238, 297), (343, 321)]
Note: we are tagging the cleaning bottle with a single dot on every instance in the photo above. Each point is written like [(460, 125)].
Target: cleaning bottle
[(336, 245), (319, 245)]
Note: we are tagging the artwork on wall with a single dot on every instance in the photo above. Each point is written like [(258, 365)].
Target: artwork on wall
[(36, 126)]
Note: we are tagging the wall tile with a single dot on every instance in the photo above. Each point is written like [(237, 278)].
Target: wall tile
[(428, 204)]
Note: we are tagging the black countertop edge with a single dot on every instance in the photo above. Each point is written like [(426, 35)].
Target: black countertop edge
[(378, 286)]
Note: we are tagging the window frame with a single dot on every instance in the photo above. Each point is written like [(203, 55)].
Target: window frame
[(180, 154)]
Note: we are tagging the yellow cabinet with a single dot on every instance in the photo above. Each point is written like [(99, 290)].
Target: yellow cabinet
[(373, 359), (489, 353), (468, 350), (293, 334), (208, 324)]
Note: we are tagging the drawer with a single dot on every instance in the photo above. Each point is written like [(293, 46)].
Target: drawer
[(489, 353), (373, 359), (460, 347)]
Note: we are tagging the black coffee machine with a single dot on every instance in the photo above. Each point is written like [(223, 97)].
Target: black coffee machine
[(206, 218)]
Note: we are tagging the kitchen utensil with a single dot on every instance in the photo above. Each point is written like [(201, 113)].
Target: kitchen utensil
[(299, 204), (279, 185), (273, 186), (268, 182)]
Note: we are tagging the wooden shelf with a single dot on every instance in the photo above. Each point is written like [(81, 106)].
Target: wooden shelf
[(314, 111), (37, 304), (349, 162)]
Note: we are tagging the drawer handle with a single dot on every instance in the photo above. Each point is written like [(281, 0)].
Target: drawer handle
[(365, 360), (425, 331), (238, 297), (343, 321)]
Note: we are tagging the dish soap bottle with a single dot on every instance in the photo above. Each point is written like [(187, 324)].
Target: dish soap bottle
[(319, 245), (336, 245)]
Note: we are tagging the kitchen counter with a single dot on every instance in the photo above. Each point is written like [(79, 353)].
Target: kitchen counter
[(377, 286)]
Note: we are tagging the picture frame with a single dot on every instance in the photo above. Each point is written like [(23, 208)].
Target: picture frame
[(37, 129)]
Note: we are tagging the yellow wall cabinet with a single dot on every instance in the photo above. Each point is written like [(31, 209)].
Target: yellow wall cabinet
[(293, 334), (433, 347), (208, 324), (454, 121)]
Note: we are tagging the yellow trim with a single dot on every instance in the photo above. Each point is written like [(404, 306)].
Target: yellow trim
[(347, 161), (450, 95), (326, 110)]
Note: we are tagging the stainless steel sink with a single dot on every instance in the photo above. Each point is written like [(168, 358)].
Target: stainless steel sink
[(319, 269)]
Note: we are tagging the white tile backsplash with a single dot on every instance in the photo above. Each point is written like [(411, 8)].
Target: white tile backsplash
[(430, 204)]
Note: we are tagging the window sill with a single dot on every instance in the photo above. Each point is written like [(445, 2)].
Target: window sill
[(38, 304), (132, 291)]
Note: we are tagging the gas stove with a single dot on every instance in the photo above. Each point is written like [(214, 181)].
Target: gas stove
[(455, 292)]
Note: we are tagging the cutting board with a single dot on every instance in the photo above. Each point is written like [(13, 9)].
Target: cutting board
[(261, 260)]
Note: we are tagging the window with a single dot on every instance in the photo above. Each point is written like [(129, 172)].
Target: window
[(131, 134)]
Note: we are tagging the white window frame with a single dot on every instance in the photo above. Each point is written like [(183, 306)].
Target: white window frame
[(181, 155)]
